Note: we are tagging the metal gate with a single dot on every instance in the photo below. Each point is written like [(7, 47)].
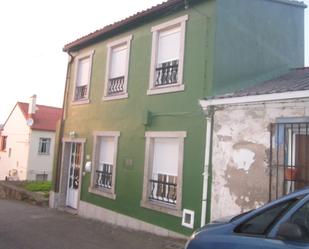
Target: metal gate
[(289, 158)]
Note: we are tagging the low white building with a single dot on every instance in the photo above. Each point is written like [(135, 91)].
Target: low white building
[(257, 144), (27, 142)]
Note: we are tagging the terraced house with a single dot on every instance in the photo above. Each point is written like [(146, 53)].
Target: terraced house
[(132, 140)]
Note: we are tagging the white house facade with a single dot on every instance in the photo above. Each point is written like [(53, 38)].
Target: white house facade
[(27, 142)]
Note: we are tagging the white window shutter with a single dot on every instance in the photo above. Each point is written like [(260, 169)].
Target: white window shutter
[(169, 45), (107, 150), (83, 72), (166, 156), (118, 61)]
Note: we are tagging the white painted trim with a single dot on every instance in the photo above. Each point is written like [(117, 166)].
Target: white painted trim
[(81, 102), (161, 207), (255, 98), (181, 21), (123, 41), (77, 59), (73, 140), (170, 23), (106, 193), (107, 133), (165, 134), (168, 89), (113, 97)]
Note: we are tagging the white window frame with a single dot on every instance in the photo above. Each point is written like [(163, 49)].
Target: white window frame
[(148, 170), (77, 60), (123, 41), (40, 146), (179, 86), (109, 193)]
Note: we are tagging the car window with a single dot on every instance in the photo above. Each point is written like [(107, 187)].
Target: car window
[(301, 219), (260, 223), (240, 215)]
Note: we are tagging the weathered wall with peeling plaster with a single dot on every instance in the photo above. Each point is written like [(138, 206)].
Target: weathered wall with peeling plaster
[(241, 143)]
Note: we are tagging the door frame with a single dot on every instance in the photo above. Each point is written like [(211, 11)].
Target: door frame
[(66, 147)]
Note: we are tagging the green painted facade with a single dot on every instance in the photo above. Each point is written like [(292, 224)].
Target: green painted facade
[(219, 56)]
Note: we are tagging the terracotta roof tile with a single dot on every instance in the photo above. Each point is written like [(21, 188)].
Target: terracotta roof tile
[(45, 118)]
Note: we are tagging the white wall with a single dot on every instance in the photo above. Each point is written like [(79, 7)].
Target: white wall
[(17, 133), (40, 164), (241, 142)]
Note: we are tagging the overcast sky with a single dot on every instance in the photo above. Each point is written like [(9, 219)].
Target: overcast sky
[(33, 33)]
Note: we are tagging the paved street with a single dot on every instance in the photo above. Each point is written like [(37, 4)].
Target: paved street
[(24, 226)]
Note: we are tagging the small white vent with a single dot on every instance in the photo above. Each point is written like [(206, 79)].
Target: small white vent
[(188, 218)]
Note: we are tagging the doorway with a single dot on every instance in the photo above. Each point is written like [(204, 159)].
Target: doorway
[(73, 181)]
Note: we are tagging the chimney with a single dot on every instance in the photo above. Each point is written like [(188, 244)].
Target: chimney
[(32, 105)]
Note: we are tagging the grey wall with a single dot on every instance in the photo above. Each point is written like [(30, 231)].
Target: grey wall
[(255, 40)]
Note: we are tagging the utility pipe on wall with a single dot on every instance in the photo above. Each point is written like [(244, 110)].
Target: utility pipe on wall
[(207, 163)]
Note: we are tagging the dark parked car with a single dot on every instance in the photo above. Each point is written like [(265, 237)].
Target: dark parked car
[(283, 223)]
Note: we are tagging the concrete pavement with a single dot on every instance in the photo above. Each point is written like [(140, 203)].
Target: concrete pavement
[(24, 226)]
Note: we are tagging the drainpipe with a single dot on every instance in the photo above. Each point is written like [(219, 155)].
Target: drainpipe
[(207, 166), (65, 95)]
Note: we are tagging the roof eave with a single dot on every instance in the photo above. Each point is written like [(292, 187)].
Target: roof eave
[(124, 24), (254, 99)]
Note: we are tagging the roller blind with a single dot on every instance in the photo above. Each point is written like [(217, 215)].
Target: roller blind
[(107, 150), (168, 45), (166, 156), (83, 71), (118, 61)]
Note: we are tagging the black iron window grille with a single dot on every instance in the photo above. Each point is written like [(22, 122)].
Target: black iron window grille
[(289, 158), (116, 85), (164, 189), (167, 73), (81, 92), (104, 176)]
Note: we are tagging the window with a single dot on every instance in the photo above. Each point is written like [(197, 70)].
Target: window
[(262, 222), (82, 77), (117, 69), (166, 72), (3, 142), (290, 163), (104, 164), (41, 177), (301, 219), (163, 171), (44, 146)]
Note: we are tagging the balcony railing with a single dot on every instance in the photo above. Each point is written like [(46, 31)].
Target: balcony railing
[(164, 189), (81, 92), (167, 73), (115, 85), (104, 176)]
